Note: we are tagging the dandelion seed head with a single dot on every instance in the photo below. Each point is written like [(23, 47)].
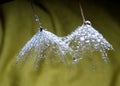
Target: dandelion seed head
[(85, 38)]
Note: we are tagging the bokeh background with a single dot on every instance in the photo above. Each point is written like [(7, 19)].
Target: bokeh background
[(61, 17)]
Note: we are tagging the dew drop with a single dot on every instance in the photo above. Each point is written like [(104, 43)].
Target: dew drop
[(82, 38)]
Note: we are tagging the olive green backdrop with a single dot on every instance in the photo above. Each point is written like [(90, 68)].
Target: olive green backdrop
[(61, 17)]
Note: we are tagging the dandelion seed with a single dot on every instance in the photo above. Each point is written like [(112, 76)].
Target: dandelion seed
[(39, 44), (87, 38)]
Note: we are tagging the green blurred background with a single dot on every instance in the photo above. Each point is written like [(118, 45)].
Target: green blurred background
[(61, 17)]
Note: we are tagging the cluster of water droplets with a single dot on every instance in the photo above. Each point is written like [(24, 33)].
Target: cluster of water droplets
[(84, 38), (42, 43)]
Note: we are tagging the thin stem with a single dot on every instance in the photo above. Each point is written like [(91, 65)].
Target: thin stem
[(35, 15), (31, 3), (81, 10)]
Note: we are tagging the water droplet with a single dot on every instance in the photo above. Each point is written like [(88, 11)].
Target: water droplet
[(98, 40), (75, 59), (82, 38), (87, 41)]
